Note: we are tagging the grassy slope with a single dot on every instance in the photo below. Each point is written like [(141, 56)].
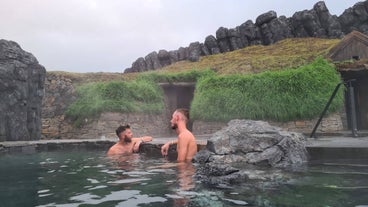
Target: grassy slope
[(288, 53)]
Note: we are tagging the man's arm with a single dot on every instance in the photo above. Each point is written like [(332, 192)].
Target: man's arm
[(138, 141), (165, 147), (146, 139)]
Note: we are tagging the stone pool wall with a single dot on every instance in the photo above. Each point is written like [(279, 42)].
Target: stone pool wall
[(330, 124)]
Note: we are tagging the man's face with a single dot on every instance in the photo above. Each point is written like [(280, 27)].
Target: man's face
[(174, 124), (127, 135)]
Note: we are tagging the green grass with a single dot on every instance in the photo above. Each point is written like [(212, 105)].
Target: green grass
[(140, 96), (279, 96)]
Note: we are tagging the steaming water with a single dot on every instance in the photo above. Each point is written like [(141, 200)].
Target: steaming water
[(89, 178)]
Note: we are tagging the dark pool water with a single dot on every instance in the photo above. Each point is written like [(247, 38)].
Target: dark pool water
[(89, 178)]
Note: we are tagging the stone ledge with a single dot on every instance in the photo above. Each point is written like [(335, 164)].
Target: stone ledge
[(74, 144)]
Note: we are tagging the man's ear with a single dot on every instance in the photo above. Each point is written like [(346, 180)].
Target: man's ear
[(177, 116)]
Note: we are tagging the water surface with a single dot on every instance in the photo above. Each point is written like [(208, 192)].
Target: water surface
[(89, 178)]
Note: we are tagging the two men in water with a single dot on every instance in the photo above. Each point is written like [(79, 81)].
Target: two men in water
[(186, 142)]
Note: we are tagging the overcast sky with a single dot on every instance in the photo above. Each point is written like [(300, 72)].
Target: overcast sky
[(109, 35)]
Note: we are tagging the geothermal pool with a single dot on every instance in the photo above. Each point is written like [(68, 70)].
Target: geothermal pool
[(89, 178)]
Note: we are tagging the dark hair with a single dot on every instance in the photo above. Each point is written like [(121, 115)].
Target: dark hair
[(121, 129), (185, 112)]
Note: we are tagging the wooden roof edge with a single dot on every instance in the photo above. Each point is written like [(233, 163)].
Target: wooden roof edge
[(346, 40), (363, 68)]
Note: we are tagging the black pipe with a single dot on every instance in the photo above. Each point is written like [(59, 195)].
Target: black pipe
[(353, 119), (325, 109)]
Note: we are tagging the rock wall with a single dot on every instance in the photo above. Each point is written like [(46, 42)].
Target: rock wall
[(21, 92), (268, 29), (105, 126), (59, 94), (332, 123)]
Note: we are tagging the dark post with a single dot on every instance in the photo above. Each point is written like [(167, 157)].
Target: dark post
[(353, 120)]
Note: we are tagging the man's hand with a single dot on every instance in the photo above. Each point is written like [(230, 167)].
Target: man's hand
[(165, 149)]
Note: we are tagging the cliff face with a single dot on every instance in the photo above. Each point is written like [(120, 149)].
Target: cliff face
[(21, 92), (268, 29)]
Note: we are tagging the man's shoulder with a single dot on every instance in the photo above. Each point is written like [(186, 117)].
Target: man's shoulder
[(112, 149), (186, 134)]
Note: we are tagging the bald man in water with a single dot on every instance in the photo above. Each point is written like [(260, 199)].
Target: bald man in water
[(186, 142)]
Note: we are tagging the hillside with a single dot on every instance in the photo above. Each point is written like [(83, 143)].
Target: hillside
[(288, 53)]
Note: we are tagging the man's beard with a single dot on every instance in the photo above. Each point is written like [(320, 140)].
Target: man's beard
[(127, 139), (174, 126)]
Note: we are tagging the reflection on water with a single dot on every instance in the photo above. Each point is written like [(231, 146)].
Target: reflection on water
[(89, 178), (186, 172)]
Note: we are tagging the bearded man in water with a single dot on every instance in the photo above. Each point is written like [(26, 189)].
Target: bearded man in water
[(127, 144), (186, 142)]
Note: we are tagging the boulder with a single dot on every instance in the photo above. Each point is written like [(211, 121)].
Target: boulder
[(246, 148), (152, 61), (265, 18), (182, 53), (306, 24), (328, 22), (21, 90), (174, 56), (204, 50), (223, 39), (194, 51), (275, 30), (355, 18), (250, 34), (164, 58), (139, 65), (211, 43), (234, 39)]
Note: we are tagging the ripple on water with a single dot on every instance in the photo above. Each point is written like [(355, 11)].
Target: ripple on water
[(138, 173), (132, 180), (94, 181), (112, 171), (237, 202), (158, 170), (174, 196), (97, 187), (44, 193)]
